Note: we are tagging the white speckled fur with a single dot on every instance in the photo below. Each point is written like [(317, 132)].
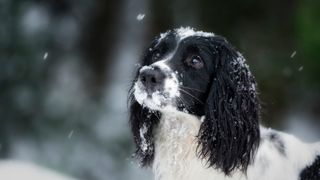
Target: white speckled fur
[(175, 153), (176, 143), (184, 32), (171, 88)]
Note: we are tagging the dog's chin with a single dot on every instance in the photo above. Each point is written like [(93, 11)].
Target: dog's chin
[(156, 101)]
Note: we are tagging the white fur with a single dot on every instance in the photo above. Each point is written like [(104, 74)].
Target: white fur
[(171, 84), (184, 32), (176, 142), (144, 144), (171, 88), (175, 153)]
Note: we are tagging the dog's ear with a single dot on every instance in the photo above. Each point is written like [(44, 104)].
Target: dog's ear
[(229, 134), (142, 122)]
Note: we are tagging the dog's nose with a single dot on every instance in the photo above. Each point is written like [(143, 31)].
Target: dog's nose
[(152, 78)]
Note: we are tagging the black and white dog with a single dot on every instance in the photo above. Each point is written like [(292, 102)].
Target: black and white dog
[(195, 112)]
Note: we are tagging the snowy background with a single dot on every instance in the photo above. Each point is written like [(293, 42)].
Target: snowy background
[(66, 66)]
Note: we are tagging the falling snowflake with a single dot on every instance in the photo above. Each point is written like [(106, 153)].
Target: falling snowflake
[(45, 56), (70, 134), (293, 54), (300, 68), (140, 17)]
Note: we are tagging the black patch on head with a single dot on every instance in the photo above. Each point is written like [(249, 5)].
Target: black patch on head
[(222, 89), (159, 48), (195, 80), (311, 172), (277, 142)]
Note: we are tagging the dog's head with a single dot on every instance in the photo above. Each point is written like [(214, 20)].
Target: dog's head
[(201, 74)]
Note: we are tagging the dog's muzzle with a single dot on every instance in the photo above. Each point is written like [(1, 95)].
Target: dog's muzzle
[(156, 87)]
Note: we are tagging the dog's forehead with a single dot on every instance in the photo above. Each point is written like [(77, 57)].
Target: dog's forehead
[(174, 43), (184, 32)]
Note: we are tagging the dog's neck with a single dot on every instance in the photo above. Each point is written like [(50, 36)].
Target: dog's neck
[(178, 125), (175, 145), (176, 153), (181, 119), (176, 149)]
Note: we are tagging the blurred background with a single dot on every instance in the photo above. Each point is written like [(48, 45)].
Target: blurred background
[(66, 66)]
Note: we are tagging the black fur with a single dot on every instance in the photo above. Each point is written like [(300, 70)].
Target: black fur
[(229, 135), (223, 91), (311, 172), (142, 116)]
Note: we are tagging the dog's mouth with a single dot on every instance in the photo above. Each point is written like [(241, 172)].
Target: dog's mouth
[(153, 100), (156, 94)]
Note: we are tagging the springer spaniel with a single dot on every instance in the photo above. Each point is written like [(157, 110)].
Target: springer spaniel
[(195, 113)]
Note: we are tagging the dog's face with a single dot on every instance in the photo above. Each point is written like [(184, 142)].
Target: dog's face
[(176, 72), (200, 74)]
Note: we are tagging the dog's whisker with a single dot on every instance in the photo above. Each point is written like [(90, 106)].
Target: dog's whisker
[(183, 102), (184, 91), (187, 104), (191, 88)]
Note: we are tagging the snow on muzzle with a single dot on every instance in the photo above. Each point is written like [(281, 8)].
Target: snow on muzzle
[(157, 86)]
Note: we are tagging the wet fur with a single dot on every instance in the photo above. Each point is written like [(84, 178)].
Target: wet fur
[(229, 139)]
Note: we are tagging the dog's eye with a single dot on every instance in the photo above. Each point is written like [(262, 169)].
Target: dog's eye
[(194, 61)]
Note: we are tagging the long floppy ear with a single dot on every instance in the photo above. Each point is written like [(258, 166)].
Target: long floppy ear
[(142, 122), (229, 134)]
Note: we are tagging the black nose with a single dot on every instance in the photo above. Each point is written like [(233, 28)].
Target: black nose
[(152, 79)]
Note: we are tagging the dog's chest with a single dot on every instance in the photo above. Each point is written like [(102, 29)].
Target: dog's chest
[(175, 145), (175, 150), (175, 155)]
